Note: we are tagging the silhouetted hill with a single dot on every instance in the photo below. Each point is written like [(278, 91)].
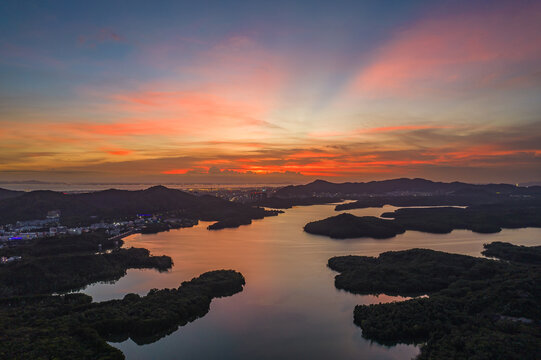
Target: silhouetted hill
[(346, 225), (488, 218), (122, 203), (6, 194), (401, 185)]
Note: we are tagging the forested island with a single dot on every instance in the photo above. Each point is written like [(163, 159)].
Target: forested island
[(439, 220), (229, 223), (476, 308), (34, 324), (67, 262), (479, 218), (73, 327), (345, 226)]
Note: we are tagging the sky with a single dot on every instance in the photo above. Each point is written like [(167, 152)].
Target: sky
[(270, 91)]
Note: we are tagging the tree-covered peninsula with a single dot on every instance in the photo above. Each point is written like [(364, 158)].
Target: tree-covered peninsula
[(73, 327), (438, 220), (345, 226), (35, 324), (67, 262), (475, 309)]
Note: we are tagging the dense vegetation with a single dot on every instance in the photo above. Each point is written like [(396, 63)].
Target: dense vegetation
[(72, 327), (37, 325), (47, 274), (519, 254), (6, 194), (236, 221), (476, 309), (229, 223), (62, 244), (350, 226), (412, 272), (67, 262), (487, 218), (479, 218), (436, 200), (154, 228), (119, 204)]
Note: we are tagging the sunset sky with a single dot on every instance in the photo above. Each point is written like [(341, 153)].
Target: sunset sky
[(270, 91)]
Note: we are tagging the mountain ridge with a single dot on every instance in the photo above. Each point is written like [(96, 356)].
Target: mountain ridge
[(412, 185), (114, 203)]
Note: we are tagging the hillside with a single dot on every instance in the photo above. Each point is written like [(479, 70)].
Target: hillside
[(6, 194), (115, 204), (420, 186)]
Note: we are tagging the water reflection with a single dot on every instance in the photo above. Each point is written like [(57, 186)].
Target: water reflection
[(290, 308)]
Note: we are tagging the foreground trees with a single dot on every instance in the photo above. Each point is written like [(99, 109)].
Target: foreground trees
[(475, 309), (73, 327)]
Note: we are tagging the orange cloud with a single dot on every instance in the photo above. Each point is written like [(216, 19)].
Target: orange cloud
[(136, 127), (176, 171), (119, 152), (473, 49)]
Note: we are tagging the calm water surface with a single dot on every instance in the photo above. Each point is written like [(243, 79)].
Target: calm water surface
[(289, 308)]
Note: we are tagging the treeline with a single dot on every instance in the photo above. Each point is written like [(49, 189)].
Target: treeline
[(411, 272), (229, 223), (72, 327), (476, 309), (434, 200), (346, 225), (37, 325), (62, 244), (513, 253), (67, 262), (65, 272), (481, 218), (154, 228), (440, 220)]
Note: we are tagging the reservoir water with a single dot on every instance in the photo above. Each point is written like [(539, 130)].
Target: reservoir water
[(289, 308)]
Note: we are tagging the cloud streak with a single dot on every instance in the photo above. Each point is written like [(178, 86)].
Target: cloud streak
[(457, 52)]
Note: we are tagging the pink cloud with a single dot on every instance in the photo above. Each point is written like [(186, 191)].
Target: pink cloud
[(465, 50), (236, 67), (180, 112), (176, 171), (376, 130)]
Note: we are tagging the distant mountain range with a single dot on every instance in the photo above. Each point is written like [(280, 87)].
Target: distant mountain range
[(402, 185), (114, 204)]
